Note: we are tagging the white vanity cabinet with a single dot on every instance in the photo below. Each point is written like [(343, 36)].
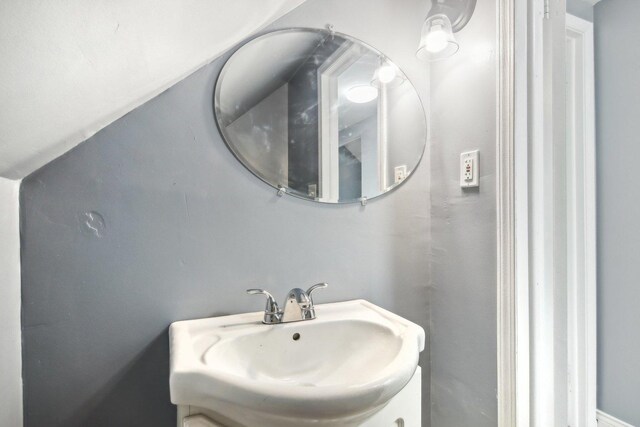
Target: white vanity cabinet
[(403, 410)]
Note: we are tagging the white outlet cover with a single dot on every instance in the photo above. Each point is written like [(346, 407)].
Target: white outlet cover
[(470, 178), (400, 173)]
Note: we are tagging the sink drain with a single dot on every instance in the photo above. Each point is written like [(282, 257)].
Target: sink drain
[(296, 336)]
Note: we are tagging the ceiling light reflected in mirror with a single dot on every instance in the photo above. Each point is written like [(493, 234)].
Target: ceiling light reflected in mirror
[(362, 94)]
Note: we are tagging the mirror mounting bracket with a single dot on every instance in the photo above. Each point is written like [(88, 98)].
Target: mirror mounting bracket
[(329, 28)]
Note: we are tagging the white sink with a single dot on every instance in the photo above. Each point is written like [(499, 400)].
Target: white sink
[(340, 368)]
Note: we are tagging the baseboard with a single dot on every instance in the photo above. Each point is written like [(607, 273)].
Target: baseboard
[(606, 420)]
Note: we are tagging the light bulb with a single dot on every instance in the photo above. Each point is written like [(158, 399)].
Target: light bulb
[(386, 73), (362, 94), (437, 40)]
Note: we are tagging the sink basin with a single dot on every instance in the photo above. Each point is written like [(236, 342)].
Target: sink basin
[(340, 368)]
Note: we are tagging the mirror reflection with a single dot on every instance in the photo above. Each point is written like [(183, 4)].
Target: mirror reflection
[(322, 115)]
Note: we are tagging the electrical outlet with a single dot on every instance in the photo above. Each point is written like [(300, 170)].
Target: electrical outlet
[(470, 169), (312, 190), (399, 173)]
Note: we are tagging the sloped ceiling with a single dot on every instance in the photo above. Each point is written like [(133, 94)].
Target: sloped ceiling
[(68, 68)]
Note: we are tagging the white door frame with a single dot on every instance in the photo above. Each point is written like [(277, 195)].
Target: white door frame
[(514, 85), (507, 303), (539, 314), (328, 126), (581, 203)]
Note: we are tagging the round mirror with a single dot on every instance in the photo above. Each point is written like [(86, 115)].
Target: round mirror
[(320, 115)]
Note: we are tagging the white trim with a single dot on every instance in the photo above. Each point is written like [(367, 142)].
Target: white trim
[(383, 140), (521, 213), (606, 420), (329, 161), (547, 334), (540, 229), (506, 293), (541, 375), (10, 305), (581, 208)]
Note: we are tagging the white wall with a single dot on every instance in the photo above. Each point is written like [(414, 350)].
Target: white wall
[(71, 67), (10, 342)]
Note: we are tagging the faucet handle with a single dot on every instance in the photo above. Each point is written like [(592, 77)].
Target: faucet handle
[(313, 288), (271, 310), (259, 292)]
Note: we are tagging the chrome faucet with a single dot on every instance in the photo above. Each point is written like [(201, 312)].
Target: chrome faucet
[(298, 305)]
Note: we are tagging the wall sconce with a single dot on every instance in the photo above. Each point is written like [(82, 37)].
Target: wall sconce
[(445, 18)]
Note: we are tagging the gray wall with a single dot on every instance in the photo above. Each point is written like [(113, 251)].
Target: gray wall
[(581, 9), (463, 228), (153, 220), (617, 37), (367, 132), (265, 148)]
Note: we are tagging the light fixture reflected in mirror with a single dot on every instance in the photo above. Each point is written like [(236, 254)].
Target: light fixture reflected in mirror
[(387, 74), (445, 18), (362, 94)]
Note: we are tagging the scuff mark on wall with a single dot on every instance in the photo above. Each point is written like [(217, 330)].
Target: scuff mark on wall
[(186, 206), (92, 224)]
